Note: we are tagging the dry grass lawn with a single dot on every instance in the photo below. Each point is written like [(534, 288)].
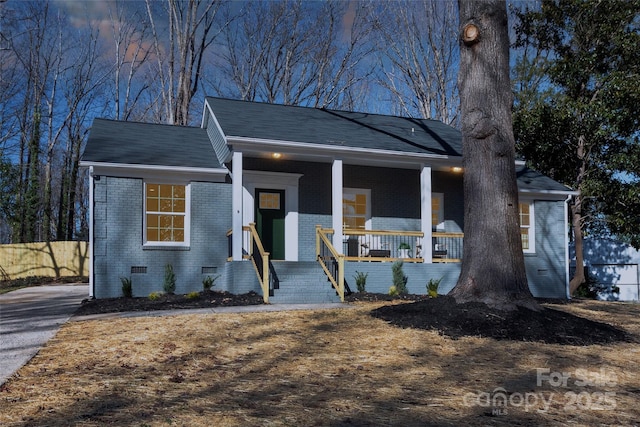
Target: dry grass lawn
[(318, 368)]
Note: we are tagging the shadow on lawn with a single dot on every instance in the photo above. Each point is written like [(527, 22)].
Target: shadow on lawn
[(236, 381), (550, 326)]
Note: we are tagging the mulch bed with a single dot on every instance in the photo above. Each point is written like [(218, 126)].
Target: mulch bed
[(551, 326), (442, 314), (205, 299)]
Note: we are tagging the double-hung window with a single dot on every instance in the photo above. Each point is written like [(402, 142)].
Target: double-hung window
[(356, 208), (527, 224), (166, 214)]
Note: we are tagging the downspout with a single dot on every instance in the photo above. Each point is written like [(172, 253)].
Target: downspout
[(566, 248), (92, 282)]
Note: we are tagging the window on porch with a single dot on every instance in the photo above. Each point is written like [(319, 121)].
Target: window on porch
[(437, 211), (356, 208)]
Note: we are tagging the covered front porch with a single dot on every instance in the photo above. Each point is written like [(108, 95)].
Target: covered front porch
[(365, 251), (367, 214)]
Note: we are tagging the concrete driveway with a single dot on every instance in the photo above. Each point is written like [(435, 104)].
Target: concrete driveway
[(30, 317)]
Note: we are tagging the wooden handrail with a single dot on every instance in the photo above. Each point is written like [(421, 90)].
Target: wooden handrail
[(359, 232), (260, 260), (337, 280), (444, 234)]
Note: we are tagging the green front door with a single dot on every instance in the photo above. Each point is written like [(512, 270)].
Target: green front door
[(270, 215)]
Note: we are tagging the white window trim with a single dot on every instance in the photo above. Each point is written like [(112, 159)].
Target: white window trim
[(187, 215), (367, 193), (532, 226)]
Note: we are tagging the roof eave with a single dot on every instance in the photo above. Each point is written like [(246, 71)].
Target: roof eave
[(347, 154), (556, 194), (145, 171)]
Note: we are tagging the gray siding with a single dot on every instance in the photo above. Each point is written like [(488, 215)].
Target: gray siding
[(119, 218), (450, 184), (546, 268), (119, 234), (395, 193), (307, 234)]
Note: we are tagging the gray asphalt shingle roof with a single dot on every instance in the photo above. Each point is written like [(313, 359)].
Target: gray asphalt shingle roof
[(137, 143), (530, 180), (335, 128), (112, 141)]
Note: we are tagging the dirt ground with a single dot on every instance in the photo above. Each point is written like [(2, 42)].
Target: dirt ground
[(375, 363)]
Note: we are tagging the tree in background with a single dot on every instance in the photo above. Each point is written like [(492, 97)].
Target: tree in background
[(419, 55), (130, 30), (298, 53), (577, 115), (493, 270), (192, 27), (54, 81)]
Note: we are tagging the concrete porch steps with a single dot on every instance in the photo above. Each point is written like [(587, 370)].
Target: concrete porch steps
[(302, 282)]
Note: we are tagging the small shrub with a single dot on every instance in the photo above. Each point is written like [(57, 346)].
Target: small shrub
[(169, 284), (432, 287), (399, 279), (404, 245), (193, 295), (154, 296), (127, 288), (208, 282), (393, 291), (361, 280)]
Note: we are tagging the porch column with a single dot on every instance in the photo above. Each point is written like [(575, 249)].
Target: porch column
[(236, 204), (336, 204), (425, 214)]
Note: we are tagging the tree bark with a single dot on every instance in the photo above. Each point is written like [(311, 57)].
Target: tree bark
[(576, 218), (493, 270)]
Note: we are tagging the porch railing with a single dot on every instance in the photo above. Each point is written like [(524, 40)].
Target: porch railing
[(447, 247), (253, 249), (382, 245), (330, 260), (389, 245)]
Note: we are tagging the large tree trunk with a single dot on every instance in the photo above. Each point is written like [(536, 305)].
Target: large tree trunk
[(493, 268)]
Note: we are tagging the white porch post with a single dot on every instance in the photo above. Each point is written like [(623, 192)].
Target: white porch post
[(236, 224), (336, 204), (425, 215)]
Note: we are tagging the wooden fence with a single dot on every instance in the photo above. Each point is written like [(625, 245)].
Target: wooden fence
[(52, 259)]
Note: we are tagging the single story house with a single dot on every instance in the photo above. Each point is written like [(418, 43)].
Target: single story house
[(291, 202)]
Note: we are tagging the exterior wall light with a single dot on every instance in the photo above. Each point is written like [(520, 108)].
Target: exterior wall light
[(276, 155), (456, 169)]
